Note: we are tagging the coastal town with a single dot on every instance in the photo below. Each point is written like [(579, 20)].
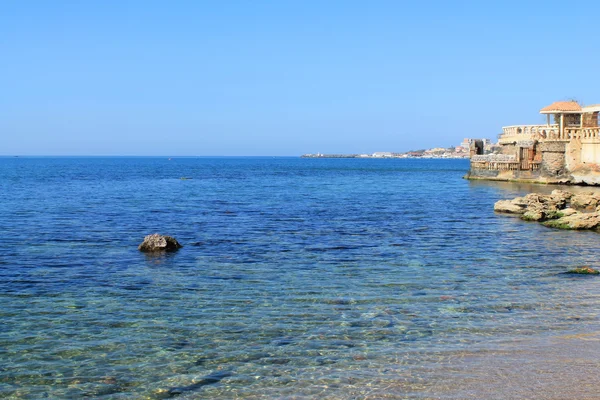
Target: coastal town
[(460, 151)]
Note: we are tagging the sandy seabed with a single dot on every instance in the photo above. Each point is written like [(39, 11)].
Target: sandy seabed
[(559, 367)]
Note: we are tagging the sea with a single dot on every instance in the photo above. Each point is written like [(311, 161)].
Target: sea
[(298, 279)]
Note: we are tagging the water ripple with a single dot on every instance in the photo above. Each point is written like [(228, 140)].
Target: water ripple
[(306, 278)]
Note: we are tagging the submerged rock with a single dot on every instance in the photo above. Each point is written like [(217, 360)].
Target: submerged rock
[(211, 379), (585, 270), (156, 242)]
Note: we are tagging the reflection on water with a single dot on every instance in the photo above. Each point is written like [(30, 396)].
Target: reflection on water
[(328, 278)]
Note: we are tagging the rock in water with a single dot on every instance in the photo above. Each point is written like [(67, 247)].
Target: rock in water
[(584, 271), (575, 221), (508, 206), (585, 201), (211, 379), (533, 216), (156, 242), (560, 209)]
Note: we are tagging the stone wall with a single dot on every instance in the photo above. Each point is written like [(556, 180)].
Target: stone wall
[(590, 153), (476, 173), (495, 175), (553, 158), (573, 154), (509, 149)]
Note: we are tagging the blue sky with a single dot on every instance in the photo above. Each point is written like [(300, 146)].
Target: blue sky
[(284, 77)]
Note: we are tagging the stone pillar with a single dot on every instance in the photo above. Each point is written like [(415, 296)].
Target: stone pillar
[(562, 126)]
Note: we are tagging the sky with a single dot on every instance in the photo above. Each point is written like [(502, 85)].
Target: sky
[(284, 78)]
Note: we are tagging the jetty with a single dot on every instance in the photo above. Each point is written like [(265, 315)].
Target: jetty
[(565, 150)]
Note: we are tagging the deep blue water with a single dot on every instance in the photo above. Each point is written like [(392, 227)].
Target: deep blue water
[(298, 277)]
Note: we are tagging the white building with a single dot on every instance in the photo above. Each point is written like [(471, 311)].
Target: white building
[(382, 154)]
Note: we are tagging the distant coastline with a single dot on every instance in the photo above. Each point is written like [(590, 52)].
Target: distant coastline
[(393, 155), (460, 151), (452, 152)]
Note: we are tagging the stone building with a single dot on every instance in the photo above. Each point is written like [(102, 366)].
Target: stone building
[(564, 150)]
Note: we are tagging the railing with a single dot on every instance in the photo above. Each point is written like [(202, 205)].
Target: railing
[(494, 158), (502, 162), (581, 133), (519, 133), (495, 166)]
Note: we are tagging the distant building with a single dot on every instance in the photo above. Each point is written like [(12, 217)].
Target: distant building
[(436, 150), (466, 143), (382, 154)]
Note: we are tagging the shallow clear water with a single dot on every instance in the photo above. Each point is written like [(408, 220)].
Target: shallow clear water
[(298, 277)]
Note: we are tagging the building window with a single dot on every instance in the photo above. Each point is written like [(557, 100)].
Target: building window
[(572, 119)]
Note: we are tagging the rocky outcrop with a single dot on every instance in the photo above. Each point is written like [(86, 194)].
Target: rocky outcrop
[(585, 201), (535, 206), (578, 220), (568, 211), (562, 195), (510, 207), (155, 242), (560, 209)]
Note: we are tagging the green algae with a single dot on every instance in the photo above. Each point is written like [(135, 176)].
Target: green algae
[(556, 223), (554, 215), (583, 271)]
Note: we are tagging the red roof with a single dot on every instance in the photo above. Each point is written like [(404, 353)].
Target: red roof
[(561, 107)]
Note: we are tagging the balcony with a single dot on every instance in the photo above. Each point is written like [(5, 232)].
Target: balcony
[(520, 133), (547, 133), (586, 134)]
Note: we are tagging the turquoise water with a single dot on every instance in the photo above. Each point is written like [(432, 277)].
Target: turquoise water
[(298, 277)]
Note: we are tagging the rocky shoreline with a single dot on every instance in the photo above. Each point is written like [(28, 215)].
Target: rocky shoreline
[(560, 209)]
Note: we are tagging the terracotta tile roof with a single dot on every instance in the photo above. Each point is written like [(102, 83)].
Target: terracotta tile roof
[(561, 106)]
